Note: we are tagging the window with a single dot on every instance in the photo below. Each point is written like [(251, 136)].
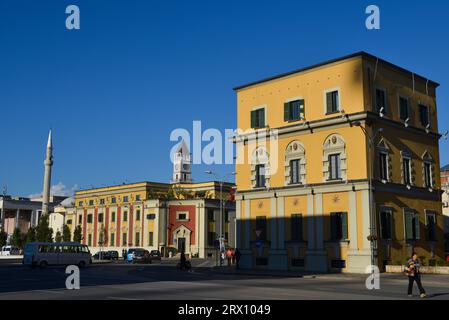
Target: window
[(113, 216), (210, 215), (91, 202), (226, 216), (150, 239), (112, 241), (338, 264), (258, 118), (125, 199), (294, 110), (125, 216), (124, 237), (427, 175), (80, 204), (211, 236), (332, 101), (260, 175), (137, 241), (89, 218), (182, 216), (423, 115), (339, 226), (386, 223), (151, 216), (80, 219), (383, 166), (403, 108), (411, 225), (113, 200), (137, 214), (102, 201), (138, 198), (295, 176), (296, 227), (431, 226), (261, 227), (100, 217), (381, 100), (406, 170), (334, 167), (89, 240), (69, 221)]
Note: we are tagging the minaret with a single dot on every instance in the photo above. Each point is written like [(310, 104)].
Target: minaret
[(48, 163)]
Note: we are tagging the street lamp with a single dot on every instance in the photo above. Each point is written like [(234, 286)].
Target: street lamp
[(221, 179), (372, 236)]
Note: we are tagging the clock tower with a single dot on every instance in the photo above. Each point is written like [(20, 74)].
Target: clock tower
[(181, 164)]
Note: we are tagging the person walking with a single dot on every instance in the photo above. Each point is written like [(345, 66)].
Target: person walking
[(124, 254), (237, 256), (412, 271), (183, 260), (229, 256)]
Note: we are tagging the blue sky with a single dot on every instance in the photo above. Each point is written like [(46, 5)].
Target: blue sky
[(115, 89)]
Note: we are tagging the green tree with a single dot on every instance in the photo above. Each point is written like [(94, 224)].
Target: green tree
[(30, 235), (3, 238), (43, 232), (58, 237), (77, 234), (17, 238), (66, 234)]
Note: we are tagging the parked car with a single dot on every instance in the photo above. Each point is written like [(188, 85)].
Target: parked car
[(113, 255), (139, 255), (155, 255), (10, 251), (105, 255)]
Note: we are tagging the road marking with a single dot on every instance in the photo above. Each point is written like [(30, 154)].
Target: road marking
[(49, 291), (121, 298)]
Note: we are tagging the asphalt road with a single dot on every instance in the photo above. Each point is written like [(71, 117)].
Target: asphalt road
[(162, 281)]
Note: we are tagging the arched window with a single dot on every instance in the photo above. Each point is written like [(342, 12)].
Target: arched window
[(334, 158), (384, 168), (428, 170), (407, 167), (295, 163), (260, 168)]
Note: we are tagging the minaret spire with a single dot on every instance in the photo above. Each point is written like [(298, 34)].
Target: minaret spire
[(48, 163)]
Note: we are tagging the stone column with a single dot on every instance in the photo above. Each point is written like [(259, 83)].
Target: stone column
[(277, 259), (316, 258), (246, 260)]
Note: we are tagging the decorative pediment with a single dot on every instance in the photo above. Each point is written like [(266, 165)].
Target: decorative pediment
[(427, 157), (260, 156), (334, 141), (382, 145)]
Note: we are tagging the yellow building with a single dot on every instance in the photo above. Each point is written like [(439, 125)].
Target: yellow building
[(303, 193)]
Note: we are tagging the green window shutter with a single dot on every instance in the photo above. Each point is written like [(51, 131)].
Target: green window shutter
[(417, 226), (408, 226), (382, 219), (253, 119), (262, 118), (329, 102), (344, 224), (286, 111)]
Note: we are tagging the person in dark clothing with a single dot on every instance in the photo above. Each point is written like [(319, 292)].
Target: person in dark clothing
[(237, 256), (412, 270), (183, 260), (124, 255)]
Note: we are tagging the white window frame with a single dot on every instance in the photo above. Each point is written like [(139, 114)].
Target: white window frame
[(326, 91), (264, 107), (384, 152), (182, 212), (409, 169)]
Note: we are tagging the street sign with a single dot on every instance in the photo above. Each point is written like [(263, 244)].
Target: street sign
[(259, 243), (258, 233)]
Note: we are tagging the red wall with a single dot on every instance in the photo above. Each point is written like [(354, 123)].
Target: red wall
[(173, 223)]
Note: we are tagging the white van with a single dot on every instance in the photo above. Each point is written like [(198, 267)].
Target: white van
[(43, 254), (9, 251)]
